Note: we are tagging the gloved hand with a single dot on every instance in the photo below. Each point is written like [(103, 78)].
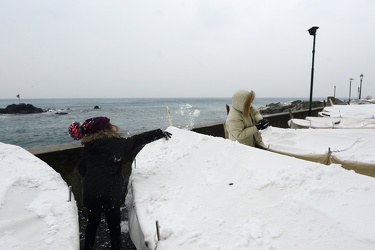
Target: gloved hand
[(266, 123), (262, 124), (167, 135)]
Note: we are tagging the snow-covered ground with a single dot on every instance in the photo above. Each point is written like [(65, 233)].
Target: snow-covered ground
[(355, 111), (212, 193), (34, 209), (333, 123), (356, 145), (340, 117)]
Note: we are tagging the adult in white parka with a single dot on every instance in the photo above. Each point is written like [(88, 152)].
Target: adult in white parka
[(244, 121)]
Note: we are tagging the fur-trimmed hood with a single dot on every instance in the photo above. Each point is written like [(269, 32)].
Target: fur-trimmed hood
[(242, 100), (101, 135)]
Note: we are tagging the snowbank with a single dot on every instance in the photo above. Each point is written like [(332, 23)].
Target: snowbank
[(340, 117), (211, 193), (332, 123), (352, 148), (356, 111), (34, 209)]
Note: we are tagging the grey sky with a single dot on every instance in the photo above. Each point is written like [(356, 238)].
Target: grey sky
[(184, 48)]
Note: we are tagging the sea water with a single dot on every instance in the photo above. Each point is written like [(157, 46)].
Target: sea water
[(131, 115)]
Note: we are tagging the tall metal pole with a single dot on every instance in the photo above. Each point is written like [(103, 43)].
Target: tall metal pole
[(312, 32), (334, 92), (350, 88), (360, 88)]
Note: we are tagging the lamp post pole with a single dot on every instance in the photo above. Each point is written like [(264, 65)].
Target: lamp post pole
[(360, 86), (334, 93), (312, 32), (350, 88)]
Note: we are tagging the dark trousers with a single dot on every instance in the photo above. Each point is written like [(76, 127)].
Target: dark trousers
[(113, 219)]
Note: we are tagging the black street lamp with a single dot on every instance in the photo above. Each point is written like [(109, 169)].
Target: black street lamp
[(350, 88), (360, 86), (312, 32)]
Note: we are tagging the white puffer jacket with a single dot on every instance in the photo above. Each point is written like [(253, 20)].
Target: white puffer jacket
[(241, 120)]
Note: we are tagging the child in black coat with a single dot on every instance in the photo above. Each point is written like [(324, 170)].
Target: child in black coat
[(101, 163)]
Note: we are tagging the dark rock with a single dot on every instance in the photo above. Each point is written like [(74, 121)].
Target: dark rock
[(96, 107), (281, 107), (21, 108)]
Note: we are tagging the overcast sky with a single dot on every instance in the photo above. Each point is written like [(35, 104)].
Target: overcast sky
[(185, 48)]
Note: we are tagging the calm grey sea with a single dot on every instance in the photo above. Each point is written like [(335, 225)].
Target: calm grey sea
[(131, 115)]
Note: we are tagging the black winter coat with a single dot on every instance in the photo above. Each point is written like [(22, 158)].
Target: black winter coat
[(101, 165)]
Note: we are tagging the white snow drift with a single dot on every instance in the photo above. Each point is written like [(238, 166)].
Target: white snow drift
[(212, 193), (34, 209)]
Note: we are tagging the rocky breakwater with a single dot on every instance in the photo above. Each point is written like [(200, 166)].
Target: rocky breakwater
[(21, 108), (281, 107)]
